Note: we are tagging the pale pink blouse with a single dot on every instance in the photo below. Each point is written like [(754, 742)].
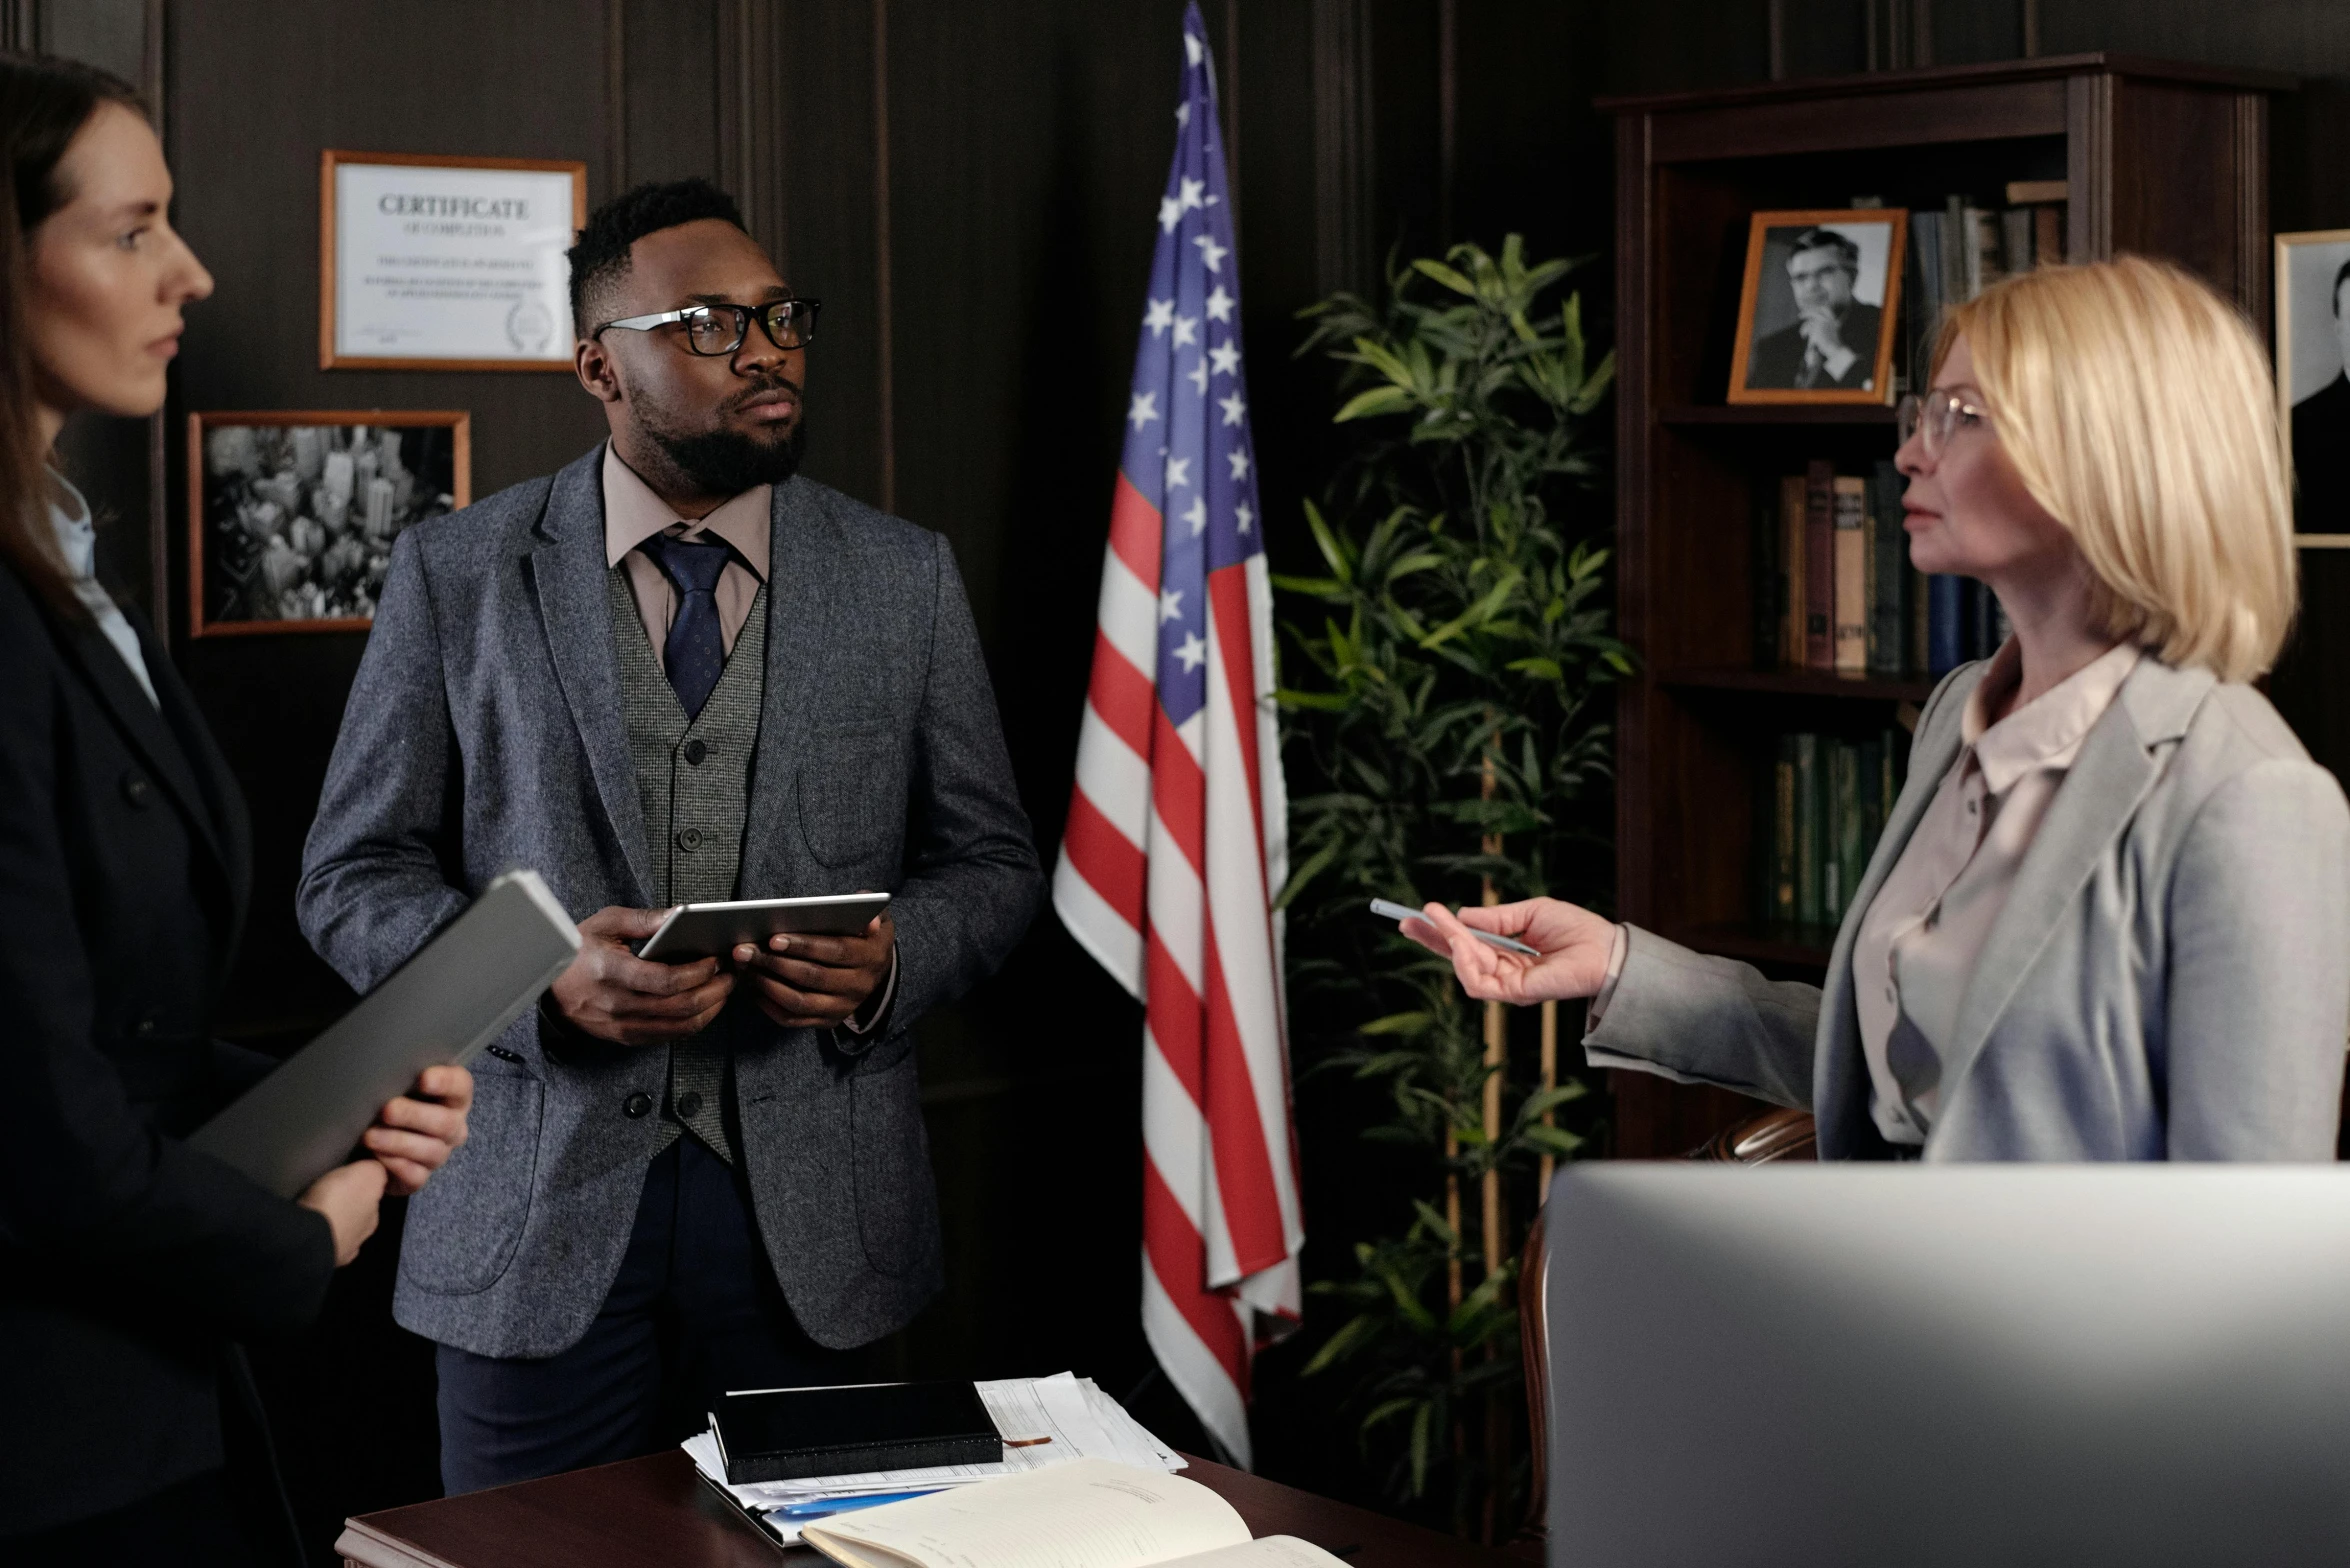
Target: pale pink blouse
[(1918, 943)]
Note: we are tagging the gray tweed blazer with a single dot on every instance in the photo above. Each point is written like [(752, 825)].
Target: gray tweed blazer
[(2170, 978), (485, 732)]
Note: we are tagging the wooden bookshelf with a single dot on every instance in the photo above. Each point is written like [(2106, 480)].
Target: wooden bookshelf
[(2159, 159)]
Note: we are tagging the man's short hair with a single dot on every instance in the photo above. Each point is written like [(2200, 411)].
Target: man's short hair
[(2341, 276), (1827, 239), (600, 258)]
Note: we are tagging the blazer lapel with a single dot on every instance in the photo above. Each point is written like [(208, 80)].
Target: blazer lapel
[(222, 794), (2118, 763), (150, 735), (801, 560), (1842, 1087), (567, 572)]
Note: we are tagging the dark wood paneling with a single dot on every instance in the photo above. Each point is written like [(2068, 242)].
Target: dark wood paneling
[(830, 223), (2176, 167), (1953, 115)]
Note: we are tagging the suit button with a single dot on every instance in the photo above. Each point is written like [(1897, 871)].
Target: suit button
[(689, 1106), (136, 789), (695, 751), (145, 1026), (637, 1104), (691, 838)]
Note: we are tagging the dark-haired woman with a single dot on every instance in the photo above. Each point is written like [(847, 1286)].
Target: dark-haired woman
[(129, 1263)]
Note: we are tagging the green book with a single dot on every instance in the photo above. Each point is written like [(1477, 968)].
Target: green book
[(1810, 830), (1846, 852), (1872, 799), (1779, 902)]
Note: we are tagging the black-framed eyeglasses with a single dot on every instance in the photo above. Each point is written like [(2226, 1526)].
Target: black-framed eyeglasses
[(1938, 414), (720, 329)]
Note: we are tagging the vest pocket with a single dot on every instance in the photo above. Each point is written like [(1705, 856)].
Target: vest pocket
[(897, 1203), (853, 798), (464, 1227)]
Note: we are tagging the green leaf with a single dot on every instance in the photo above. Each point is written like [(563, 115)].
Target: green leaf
[(1352, 1336), (1313, 866), (1341, 565), (1551, 1140), (1396, 1023), (1377, 401), (1445, 275)]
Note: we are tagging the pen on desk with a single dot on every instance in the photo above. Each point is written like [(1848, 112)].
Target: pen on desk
[(1399, 912), (819, 1507)]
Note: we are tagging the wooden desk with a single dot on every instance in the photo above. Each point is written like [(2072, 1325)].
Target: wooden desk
[(657, 1513)]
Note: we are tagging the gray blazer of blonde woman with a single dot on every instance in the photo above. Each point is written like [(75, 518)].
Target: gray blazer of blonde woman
[(2170, 978)]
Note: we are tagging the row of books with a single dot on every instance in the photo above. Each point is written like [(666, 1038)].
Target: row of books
[(1835, 590), (1830, 796), (1962, 250)]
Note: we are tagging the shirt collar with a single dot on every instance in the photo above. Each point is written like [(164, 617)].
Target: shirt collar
[(633, 514), (77, 535), (2047, 731)]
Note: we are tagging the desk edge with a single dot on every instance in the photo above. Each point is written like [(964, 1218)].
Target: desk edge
[(362, 1543)]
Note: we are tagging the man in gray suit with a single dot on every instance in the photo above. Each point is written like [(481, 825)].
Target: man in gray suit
[(673, 672)]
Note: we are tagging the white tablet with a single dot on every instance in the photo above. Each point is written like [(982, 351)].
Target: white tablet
[(713, 930)]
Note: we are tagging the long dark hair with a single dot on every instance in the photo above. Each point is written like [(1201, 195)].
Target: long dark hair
[(44, 103)]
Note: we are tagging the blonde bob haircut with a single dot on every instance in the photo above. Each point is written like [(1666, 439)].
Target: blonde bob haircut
[(2138, 409)]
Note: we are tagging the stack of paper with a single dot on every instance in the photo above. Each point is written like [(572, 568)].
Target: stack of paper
[(1072, 1418)]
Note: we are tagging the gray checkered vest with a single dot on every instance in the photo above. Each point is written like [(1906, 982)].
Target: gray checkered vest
[(695, 782)]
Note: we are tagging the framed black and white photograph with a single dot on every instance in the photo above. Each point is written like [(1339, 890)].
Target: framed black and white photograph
[(291, 516), (2313, 380), (1818, 312)]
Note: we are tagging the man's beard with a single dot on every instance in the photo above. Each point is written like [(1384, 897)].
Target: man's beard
[(726, 461)]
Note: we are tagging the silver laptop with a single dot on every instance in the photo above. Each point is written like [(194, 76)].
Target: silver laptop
[(1895, 1365)]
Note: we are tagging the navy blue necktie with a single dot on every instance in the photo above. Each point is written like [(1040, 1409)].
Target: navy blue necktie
[(695, 654)]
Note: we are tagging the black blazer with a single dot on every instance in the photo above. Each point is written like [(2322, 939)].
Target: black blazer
[(128, 1262)]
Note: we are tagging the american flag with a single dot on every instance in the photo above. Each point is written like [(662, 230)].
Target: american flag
[(1178, 832)]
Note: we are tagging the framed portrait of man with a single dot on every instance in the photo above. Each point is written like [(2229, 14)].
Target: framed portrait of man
[(2313, 379), (1818, 313)]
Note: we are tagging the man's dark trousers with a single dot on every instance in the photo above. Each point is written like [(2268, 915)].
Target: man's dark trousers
[(695, 1311)]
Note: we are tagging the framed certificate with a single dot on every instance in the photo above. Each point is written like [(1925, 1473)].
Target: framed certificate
[(445, 263)]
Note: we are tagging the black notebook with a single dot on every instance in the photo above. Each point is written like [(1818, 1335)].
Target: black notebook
[(788, 1434)]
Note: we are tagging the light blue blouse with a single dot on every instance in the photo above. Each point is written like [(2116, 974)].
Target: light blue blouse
[(77, 536)]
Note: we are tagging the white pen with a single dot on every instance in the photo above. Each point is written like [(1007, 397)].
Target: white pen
[(1508, 944)]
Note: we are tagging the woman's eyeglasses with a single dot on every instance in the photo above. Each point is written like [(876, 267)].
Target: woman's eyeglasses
[(720, 329), (1937, 415)]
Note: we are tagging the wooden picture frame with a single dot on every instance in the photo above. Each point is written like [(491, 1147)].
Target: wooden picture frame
[(253, 539), (2308, 263), (491, 259), (1769, 362)]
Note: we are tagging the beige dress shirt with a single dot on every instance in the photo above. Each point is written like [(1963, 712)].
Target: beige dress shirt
[(633, 514), (1917, 945)]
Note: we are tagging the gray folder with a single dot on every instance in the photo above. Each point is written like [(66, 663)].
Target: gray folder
[(451, 998)]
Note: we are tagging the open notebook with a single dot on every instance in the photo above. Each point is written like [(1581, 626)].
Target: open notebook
[(1090, 1514)]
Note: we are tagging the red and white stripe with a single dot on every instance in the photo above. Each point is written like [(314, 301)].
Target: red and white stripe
[(1176, 845)]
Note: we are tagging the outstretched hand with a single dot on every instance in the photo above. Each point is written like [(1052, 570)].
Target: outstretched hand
[(1574, 945)]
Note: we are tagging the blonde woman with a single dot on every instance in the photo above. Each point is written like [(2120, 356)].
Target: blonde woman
[(2109, 918)]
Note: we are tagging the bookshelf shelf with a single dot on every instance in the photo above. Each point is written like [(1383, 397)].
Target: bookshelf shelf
[(2156, 159), (1768, 416), (1796, 683)]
